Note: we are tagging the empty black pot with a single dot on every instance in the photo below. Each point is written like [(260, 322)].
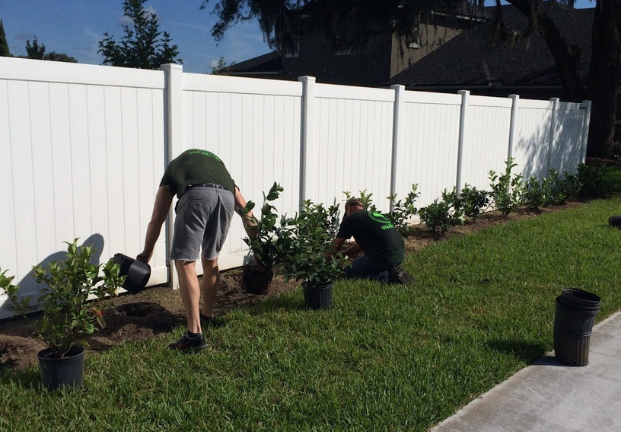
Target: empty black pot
[(614, 221), (137, 272)]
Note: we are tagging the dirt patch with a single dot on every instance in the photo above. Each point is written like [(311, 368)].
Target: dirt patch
[(157, 310)]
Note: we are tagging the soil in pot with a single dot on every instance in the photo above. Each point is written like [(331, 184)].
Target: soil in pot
[(256, 279)]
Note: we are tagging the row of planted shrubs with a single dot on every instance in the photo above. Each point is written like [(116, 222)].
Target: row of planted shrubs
[(508, 191)]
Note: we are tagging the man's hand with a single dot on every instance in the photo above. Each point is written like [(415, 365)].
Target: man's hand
[(144, 257)]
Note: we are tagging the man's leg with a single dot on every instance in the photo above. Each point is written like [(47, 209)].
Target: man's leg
[(364, 268), (190, 293), (209, 285)]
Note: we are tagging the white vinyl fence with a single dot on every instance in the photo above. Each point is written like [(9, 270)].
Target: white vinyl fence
[(83, 148)]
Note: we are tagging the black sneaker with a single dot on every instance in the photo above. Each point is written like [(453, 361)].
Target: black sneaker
[(397, 275), (187, 343)]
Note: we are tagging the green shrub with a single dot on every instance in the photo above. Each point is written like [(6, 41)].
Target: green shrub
[(506, 190), (441, 215), (534, 194), (403, 211), (472, 201), (591, 179)]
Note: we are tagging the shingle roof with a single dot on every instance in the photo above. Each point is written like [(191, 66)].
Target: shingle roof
[(269, 62), (474, 58)]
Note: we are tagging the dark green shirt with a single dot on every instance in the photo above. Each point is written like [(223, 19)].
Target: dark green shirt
[(193, 167), (376, 235)]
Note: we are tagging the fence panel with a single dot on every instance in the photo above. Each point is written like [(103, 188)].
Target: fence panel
[(78, 161), (567, 152), (486, 141), (351, 150), (428, 145), (532, 137)]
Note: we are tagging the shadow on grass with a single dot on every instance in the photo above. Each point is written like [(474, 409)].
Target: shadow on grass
[(524, 351), (282, 302), (28, 379)]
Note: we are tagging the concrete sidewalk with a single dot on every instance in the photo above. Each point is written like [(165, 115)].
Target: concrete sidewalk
[(548, 396)]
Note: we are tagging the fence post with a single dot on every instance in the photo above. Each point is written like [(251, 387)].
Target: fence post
[(306, 129), (462, 133), (552, 131), (397, 113), (173, 144), (515, 99), (586, 121)]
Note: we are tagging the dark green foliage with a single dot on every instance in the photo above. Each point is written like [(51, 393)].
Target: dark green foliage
[(37, 52), (315, 229), (365, 199), (402, 211), (472, 202), (67, 287), (506, 189), (591, 178), (534, 194), (273, 242), (143, 46), (344, 23), (441, 215), (4, 46)]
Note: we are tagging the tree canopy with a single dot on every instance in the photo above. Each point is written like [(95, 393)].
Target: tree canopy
[(143, 46), (36, 51), (350, 22), (4, 46)]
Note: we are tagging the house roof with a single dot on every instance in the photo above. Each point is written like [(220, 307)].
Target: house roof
[(266, 63), (474, 58)]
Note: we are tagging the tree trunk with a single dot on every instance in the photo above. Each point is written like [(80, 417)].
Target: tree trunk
[(566, 57), (603, 77)]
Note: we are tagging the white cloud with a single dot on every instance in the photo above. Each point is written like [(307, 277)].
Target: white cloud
[(126, 21), (214, 63)]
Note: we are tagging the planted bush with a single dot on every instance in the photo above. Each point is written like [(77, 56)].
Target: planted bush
[(506, 190), (315, 228), (471, 201), (591, 179), (534, 193), (403, 211), (440, 216)]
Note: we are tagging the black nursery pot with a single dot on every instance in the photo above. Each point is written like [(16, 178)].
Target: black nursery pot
[(317, 296), (137, 272), (614, 221), (62, 372)]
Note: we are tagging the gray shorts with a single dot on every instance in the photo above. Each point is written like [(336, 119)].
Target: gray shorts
[(203, 219)]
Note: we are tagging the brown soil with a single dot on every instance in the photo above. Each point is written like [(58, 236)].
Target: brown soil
[(158, 310)]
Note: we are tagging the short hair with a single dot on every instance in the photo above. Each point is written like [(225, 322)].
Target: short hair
[(353, 202)]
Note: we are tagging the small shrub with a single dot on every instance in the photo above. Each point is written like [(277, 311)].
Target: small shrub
[(591, 179), (507, 190), (554, 188), (365, 199), (403, 211), (472, 201), (441, 214), (534, 194)]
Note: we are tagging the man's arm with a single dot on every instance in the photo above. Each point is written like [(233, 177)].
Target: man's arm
[(163, 199), (334, 247), (249, 221)]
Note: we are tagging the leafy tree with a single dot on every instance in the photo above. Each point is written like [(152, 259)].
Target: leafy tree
[(352, 22), (37, 52), (222, 67), (143, 46), (4, 46)]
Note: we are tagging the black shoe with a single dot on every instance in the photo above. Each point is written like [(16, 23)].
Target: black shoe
[(397, 275), (187, 343)]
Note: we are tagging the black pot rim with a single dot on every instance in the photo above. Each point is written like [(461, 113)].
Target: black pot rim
[(48, 355)]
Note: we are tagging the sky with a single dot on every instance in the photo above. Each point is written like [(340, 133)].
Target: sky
[(74, 27)]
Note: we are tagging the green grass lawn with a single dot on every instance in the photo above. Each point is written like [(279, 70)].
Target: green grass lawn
[(384, 358)]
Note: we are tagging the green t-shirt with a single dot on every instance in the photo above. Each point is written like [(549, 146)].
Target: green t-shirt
[(376, 235), (196, 166)]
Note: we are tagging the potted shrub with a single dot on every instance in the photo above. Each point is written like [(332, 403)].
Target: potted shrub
[(71, 299), (315, 229), (270, 245)]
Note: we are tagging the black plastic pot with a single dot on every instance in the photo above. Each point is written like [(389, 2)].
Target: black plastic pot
[(573, 322), (317, 296), (614, 221), (61, 372), (137, 272)]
